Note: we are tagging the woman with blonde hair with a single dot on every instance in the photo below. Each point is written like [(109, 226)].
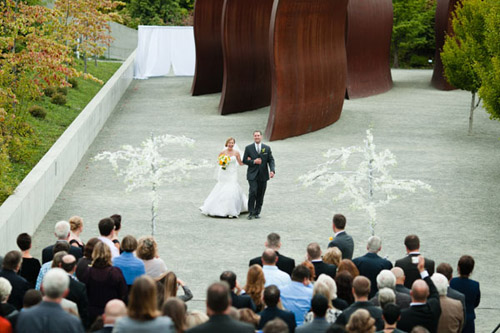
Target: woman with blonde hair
[(147, 250), (255, 286), (76, 228), (361, 322), (195, 318), (168, 285), (320, 288), (332, 256), (143, 314)]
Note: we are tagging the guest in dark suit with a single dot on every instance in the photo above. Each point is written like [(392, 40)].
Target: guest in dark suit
[(391, 314), (400, 280), (409, 263), (319, 306), (30, 266), (284, 263), (10, 267), (114, 309), (238, 301), (446, 269), (314, 256), (218, 302), (62, 232), (77, 290), (271, 298), (341, 239), (371, 264), (361, 290), (49, 316), (424, 309), (469, 288)]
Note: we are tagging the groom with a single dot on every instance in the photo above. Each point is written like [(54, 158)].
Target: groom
[(257, 156)]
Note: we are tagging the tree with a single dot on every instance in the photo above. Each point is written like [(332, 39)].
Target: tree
[(159, 12), (368, 187), (464, 52)]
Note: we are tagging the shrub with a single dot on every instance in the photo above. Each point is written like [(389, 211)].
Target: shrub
[(38, 111), (62, 90), (58, 99), (49, 91), (74, 82)]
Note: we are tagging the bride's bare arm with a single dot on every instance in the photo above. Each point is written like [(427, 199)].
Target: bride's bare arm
[(238, 158)]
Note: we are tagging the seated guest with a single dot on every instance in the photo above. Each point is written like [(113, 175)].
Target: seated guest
[(48, 316), (361, 290), (386, 296), (32, 298), (76, 228), (275, 326), (314, 256), (312, 272), (107, 233), (114, 309), (143, 314), (469, 288), (104, 282), (86, 261), (361, 321), (30, 266), (117, 219), (400, 280), (409, 263), (341, 239), (77, 290), (296, 297), (371, 263), (195, 318), (386, 279), (147, 250), (447, 271), (391, 315), (60, 250), (167, 287), (344, 287), (7, 310), (337, 303), (11, 265), (419, 329), (271, 299), (284, 263), (175, 309), (248, 316), (319, 306), (424, 309), (332, 256), (348, 265), (452, 314), (238, 301), (331, 315), (272, 274), (130, 266), (218, 303), (255, 286), (62, 233)]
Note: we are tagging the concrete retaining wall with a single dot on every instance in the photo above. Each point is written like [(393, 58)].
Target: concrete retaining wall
[(25, 209)]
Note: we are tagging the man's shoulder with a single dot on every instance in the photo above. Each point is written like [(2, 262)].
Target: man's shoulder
[(255, 261)]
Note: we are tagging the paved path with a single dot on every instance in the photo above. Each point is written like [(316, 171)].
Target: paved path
[(426, 129)]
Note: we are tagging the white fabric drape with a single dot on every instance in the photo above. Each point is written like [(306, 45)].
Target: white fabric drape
[(159, 47)]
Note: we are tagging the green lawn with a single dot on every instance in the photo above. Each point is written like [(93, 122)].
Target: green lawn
[(59, 117)]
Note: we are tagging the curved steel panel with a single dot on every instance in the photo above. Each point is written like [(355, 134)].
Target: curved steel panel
[(245, 44), (442, 27), (368, 47), (308, 65), (208, 40)]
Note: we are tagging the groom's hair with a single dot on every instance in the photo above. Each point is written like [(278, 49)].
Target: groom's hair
[(339, 221), (257, 131)]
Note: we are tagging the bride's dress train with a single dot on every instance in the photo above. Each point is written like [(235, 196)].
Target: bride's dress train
[(227, 197)]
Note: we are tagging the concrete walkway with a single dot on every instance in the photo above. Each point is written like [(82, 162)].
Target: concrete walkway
[(425, 128)]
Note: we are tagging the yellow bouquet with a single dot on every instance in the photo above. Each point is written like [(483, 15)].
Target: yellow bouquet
[(224, 161)]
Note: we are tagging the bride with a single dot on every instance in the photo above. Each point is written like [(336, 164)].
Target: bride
[(227, 199)]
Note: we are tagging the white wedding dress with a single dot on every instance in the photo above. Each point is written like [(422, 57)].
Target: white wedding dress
[(227, 198)]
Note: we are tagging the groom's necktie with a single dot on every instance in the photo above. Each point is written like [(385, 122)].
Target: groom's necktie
[(258, 148)]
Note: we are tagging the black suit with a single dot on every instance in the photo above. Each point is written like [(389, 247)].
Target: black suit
[(370, 265), (426, 315), (375, 313), (257, 175), (284, 263), (222, 324), (19, 287), (78, 295), (48, 252), (242, 301), (345, 244), (410, 269), (322, 268), (270, 313), (402, 289)]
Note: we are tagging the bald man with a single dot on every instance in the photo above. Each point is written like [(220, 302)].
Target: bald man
[(114, 309), (400, 280), (424, 308)]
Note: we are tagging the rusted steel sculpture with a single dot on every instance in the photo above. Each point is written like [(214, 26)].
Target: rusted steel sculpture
[(245, 44), (308, 65), (442, 27), (208, 39), (368, 47)]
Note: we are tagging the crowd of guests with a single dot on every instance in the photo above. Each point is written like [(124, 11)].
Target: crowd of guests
[(108, 285)]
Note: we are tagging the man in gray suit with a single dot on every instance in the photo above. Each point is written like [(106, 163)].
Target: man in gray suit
[(341, 239), (319, 306)]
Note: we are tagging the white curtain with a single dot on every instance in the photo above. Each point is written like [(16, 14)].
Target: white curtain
[(160, 47)]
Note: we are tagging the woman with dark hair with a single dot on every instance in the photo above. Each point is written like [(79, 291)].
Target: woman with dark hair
[(104, 282), (143, 314), (255, 286), (130, 266), (344, 286), (469, 288), (175, 309), (30, 266), (168, 285), (86, 260), (117, 219)]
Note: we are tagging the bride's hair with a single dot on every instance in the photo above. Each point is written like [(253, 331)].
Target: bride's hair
[(229, 139)]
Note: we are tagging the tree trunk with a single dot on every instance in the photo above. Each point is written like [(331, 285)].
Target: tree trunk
[(95, 60), (471, 115), (85, 63)]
